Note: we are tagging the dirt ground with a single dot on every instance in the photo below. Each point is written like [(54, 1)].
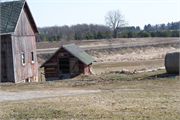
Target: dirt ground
[(152, 95), (82, 84), (103, 67), (23, 95), (136, 97)]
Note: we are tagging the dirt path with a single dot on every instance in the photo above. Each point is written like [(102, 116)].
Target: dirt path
[(8, 96)]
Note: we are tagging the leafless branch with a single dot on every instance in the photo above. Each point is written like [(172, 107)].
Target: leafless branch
[(115, 19)]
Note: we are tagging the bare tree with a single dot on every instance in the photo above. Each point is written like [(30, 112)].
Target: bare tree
[(115, 20)]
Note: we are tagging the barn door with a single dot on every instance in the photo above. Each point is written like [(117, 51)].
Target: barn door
[(74, 65), (64, 65), (3, 65)]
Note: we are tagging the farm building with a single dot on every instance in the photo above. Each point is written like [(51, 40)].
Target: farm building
[(18, 46), (67, 62)]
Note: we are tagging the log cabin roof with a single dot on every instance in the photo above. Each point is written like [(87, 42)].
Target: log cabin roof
[(76, 52), (10, 13)]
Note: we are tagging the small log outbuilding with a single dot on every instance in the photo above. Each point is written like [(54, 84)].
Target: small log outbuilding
[(18, 46), (67, 62)]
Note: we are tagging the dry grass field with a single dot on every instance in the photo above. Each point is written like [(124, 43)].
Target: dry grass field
[(144, 96), (152, 95)]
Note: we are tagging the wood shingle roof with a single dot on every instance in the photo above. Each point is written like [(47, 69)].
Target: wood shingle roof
[(10, 13)]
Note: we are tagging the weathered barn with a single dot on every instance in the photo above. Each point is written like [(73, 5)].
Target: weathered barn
[(18, 46), (68, 61)]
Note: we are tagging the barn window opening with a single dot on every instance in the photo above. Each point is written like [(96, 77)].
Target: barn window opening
[(23, 58), (32, 57), (66, 54), (64, 65), (63, 54)]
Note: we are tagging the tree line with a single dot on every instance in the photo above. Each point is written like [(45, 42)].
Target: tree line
[(107, 35), (129, 28), (168, 26), (134, 34), (94, 31), (74, 32), (149, 27)]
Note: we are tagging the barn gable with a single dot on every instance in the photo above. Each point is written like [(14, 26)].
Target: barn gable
[(10, 16), (23, 25)]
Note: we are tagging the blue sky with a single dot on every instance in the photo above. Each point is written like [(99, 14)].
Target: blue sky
[(72, 12)]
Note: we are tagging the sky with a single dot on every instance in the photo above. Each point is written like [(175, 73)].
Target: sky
[(71, 12)]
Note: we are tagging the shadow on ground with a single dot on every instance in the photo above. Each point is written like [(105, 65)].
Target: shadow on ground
[(164, 75)]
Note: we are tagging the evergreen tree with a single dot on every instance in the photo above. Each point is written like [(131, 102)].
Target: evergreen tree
[(125, 34), (153, 34), (58, 37), (138, 28), (95, 34), (100, 35), (55, 38), (43, 37), (146, 34), (162, 26), (145, 28), (140, 34), (167, 33), (108, 34), (130, 34), (175, 33)]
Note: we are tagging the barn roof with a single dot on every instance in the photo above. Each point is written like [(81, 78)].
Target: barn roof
[(10, 13), (76, 52)]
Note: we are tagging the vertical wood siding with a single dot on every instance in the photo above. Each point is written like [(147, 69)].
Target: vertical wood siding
[(27, 45), (23, 40), (74, 65), (86, 69), (81, 67), (24, 27)]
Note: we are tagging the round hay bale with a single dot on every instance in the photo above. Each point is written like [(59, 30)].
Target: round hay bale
[(172, 62)]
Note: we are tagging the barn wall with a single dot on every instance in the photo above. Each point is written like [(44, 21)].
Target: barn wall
[(23, 26), (74, 65), (23, 40), (51, 68), (86, 69), (6, 59), (27, 45), (81, 67)]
